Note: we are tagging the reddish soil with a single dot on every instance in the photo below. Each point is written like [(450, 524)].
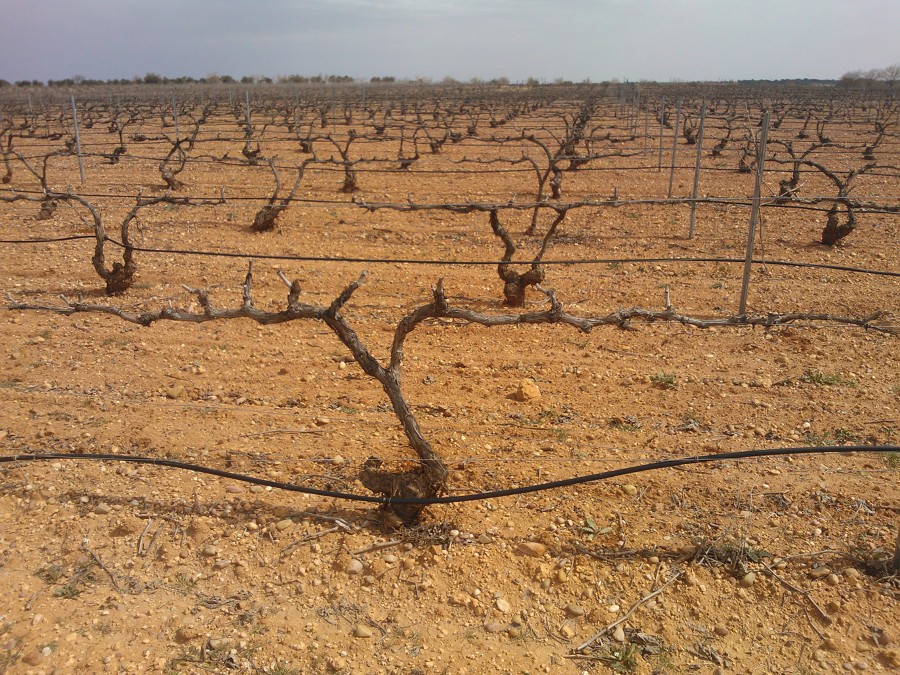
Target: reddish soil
[(782, 564)]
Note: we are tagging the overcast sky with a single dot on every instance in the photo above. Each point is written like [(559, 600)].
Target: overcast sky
[(547, 39)]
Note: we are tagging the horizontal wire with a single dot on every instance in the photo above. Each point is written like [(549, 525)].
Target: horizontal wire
[(454, 499)]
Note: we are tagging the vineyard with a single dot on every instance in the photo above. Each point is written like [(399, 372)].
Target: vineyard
[(400, 353)]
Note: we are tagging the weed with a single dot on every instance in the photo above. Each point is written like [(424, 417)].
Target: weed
[(625, 423), (664, 380), (821, 379), (51, 573), (621, 659), (837, 436), (184, 582), (892, 459), (67, 591)]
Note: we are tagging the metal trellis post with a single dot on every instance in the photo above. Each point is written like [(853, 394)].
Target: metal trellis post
[(754, 213)]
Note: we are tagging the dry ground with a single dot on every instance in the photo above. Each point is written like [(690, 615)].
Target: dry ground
[(123, 568)]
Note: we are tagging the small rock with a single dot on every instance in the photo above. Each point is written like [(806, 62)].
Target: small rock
[(32, 658), (186, 633), (362, 631), (532, 548), (485, 538), (354, 567), (567, 631), (337, 460), (37, 619), (221, 564), (209, 550), (630, 490), (284, 524), (502, 605), (819, 572), (573, 609), (721, 631), (619, 634), (47, 651), (175, 391), (612, 609), (493, 626), (233, 489), (748, 579), (219, 643), (102, 508), (527, 391)]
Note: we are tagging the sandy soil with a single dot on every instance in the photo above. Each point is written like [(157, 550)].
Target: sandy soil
[(765, 566)]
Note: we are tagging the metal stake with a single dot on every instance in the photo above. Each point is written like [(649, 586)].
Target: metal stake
[(674, 147), (697, 170), (77, 141), (754, 213)]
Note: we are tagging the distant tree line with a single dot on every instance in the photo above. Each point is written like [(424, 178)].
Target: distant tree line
[(861, 78)]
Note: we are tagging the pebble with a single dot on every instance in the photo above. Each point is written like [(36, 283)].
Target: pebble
[(175, 391), (338, 460), (527, 391), (612, 609), (354, 567), (284, 524), (619, 634), (37, 619), (721, 631), (102, 508), (502, 605), (32, 658), (233, 489), (209, 550), (748, 579), (567, 631), (219, 643), (819, 572), (485, 538), (532, 548), (362, 631), (493, 626), (573, 609), (630, 490)]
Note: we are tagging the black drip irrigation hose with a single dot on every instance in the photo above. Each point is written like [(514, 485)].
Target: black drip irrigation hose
[(454, 499)]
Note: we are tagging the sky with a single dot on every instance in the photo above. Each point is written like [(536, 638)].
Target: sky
[(576, 40)]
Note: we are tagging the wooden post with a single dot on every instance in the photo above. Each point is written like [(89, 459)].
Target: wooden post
[(247, 102), (77, 141), (754, 213), (674, 147), (697, 170)]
